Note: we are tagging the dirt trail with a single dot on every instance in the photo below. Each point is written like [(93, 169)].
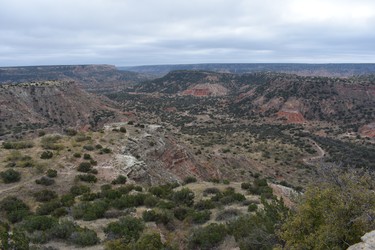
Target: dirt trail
[(18, 185), (311, 161)]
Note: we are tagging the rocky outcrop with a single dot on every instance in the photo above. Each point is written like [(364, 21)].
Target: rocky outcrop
[(156, 157), (368, 242)]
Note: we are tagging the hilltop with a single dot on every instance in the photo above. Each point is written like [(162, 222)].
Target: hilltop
[(53, 105)]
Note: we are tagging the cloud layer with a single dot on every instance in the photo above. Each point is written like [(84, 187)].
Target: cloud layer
[(138, 32)]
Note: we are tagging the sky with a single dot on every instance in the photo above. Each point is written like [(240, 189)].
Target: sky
[(149, 32)]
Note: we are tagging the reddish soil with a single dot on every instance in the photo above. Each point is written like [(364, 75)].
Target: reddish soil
[(171, 109), (291, 116), (368, 130), (197, 92)]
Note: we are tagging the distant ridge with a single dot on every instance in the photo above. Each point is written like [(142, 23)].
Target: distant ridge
[(93, 78), (330, 70), (52, 104)]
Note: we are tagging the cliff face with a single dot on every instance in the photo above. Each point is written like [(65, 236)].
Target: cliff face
[(52, 104)]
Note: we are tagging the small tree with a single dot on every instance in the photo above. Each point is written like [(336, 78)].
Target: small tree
[(128, 228), (207, 237), (184, 196), (333, 214)]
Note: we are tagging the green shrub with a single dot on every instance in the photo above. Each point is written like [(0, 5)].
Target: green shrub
[(111, 194), (151, 241), (211, 190), (48, 207), (215, 180), (127, 201), (226, 182), (207, 237), (86, 156), (165, 204), (260, 187), (88, 147), (149, 215), (84, 237), (87, 178), (79, 189), (151, 201), (51, 173), (245, 185), (204, 204), (77, 155), (93, 171), (258, 231), (200, 217), (185, 196), (126, 189), (59, 212), (45, 181), (190, 179), (13, 238), (70, 132), (252, 207), (39, 222), (128, 228), (50, 142), (333, 214), (84, 167), (46, 155), (67, 200), (122, 130), (89, 196), (121, 179), (14, 208), (17, 144), (105, 150), (10, 176), (63, 230), (181, 213), (39, 237), (162, 191), (90, 210), (228, 214), (82, 137), (45, 195)]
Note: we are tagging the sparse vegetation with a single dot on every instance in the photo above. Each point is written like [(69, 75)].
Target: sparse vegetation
[(195, 142)]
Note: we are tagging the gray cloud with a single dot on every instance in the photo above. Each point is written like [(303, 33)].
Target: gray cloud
[(133, 32)]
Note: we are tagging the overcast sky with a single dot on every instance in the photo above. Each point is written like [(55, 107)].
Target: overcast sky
[(141, 32)]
